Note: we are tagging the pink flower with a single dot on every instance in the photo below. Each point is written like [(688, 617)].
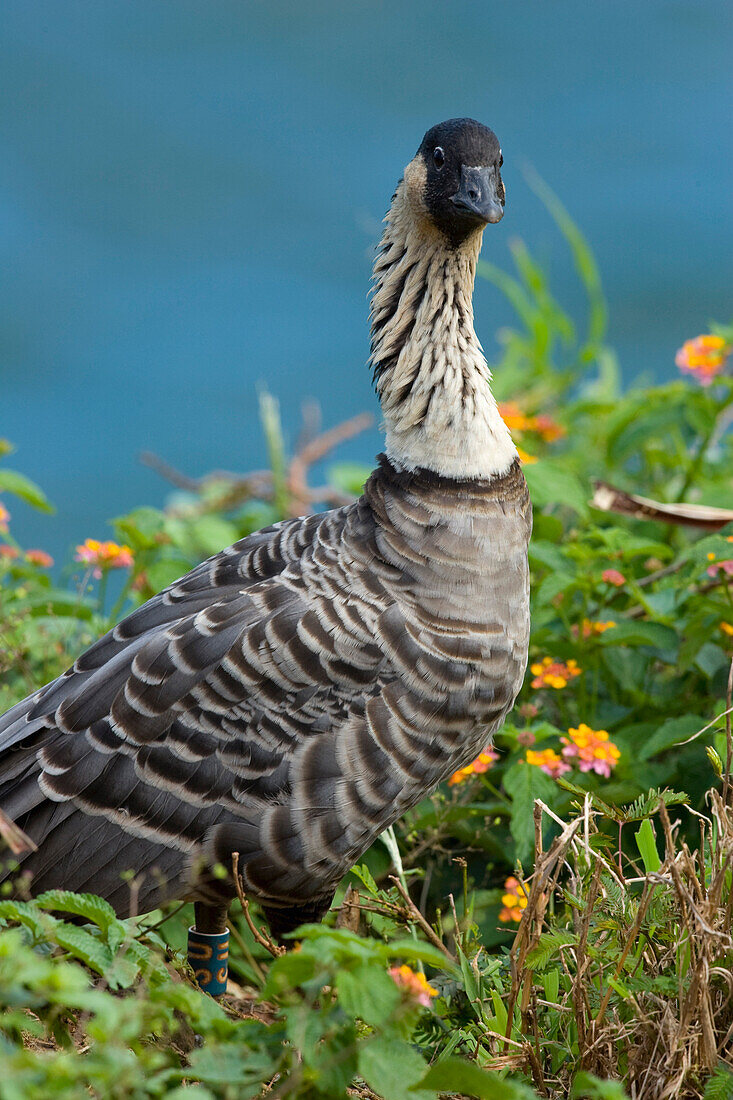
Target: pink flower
[(548, 761), (8, 552), (612, 576), (40, 558), (414, 984), (103, 555), (724, 566), (591, 750), (704, 357)]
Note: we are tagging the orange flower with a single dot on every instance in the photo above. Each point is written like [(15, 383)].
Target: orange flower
[(612, 576), (481, 764), (727, 628), (591, 749), (414, 984), (39, 557), (103, 555), (550, 762), (554, 674), (8, 552), (4, 517), (543, 426), (591, 629), (704, 357), (514, 900), (525, 458)]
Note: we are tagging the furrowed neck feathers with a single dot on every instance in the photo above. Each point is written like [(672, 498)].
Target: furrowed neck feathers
[(429, 369)]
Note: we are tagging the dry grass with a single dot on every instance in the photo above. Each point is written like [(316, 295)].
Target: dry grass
[(646, 980)]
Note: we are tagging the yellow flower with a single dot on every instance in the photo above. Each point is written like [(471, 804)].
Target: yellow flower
[(591, 749), (514, 900), (554, 674), (414, 984), (591, 629), (525, 458), (481, 764), (104, 555), (549, 761), (727, 628), (704, 357)]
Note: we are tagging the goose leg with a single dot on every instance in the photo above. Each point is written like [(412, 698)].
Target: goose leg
[(208, 947)]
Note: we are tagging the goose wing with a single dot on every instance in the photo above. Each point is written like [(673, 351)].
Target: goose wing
[(191, 729)]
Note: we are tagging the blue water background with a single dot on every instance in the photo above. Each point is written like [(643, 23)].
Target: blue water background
[(190, 194)]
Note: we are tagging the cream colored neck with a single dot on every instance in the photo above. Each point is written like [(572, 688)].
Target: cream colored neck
[(430, 371)]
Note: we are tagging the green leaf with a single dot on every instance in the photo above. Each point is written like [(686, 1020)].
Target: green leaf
[(670, 733), (454, 1075), (525, 782), (23, 487), (720, 1085), (636, 632), (711, 658), (550, 482), (647, 845), (367, 992), (547, 948), (590, 1086), (365, 876), (394, 1070), (83, 946)]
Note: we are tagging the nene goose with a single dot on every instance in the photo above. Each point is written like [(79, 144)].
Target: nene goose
[(295, 694)]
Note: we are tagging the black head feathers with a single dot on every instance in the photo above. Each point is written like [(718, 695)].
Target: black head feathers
[(463, 188)]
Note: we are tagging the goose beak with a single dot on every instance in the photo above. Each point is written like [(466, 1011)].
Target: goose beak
[(478, 194)]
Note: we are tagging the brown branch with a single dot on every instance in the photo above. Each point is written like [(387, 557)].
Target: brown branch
[(419, 919), (260, 936), (607, 498), (14, 837)]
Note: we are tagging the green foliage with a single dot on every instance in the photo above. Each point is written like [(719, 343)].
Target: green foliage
[(92, 1005)]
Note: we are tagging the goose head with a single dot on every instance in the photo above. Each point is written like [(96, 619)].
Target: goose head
[(454, 180)]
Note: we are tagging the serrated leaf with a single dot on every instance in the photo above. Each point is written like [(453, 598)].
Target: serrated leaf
[(393, 1069), (368, 993), (84, 947), (552, 483)]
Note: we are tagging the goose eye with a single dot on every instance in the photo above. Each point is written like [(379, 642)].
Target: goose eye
[(438, 157)]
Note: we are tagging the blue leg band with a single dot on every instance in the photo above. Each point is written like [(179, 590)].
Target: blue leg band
[(209, 958)]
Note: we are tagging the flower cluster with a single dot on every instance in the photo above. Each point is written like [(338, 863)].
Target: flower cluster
[(549, 761), (481, 764), (725, 567), (4, 518), (414, 984), (39, 558), (591, 750), (704, 357), (543, 426), (554, 674), (514, 900), (612, 576), (589, 629), (103, 555)]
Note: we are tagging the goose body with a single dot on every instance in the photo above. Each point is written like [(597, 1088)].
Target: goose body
[(295, 694)]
